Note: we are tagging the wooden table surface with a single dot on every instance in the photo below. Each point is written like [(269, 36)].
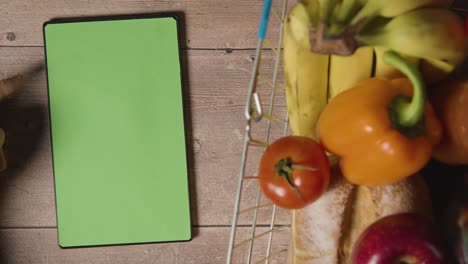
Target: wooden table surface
[(218, 49)]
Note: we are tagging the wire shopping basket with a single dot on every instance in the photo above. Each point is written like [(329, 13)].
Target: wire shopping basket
[(260, 232)]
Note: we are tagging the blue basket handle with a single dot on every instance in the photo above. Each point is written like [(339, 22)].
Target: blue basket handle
[(264, 19)]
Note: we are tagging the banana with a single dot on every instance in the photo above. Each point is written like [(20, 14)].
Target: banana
[(347, 71), (327, 8), (428, 33), (306, 73), (385, 8), (431, 38), (347, 9), (384, 70), (435, 70)]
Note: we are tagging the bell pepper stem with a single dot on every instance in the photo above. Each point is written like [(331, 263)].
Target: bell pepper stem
[(408, 113)]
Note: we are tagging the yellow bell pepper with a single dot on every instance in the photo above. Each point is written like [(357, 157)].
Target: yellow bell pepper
[(381, 131)]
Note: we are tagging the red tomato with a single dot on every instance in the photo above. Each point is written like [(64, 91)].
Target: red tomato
[(294, 172)]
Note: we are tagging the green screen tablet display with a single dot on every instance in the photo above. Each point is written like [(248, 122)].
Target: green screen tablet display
[(117, 130)]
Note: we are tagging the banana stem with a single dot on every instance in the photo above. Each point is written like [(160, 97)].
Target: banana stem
[(407, 114), (335, 29)]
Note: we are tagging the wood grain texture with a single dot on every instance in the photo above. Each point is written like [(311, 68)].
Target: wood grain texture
[(215, 86), (209, 24), (39, 246)]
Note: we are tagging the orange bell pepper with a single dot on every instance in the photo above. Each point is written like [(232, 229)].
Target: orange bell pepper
[(380, 130)]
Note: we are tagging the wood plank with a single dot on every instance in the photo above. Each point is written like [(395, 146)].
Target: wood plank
[(209, 24), (216, 84), (39, 246)]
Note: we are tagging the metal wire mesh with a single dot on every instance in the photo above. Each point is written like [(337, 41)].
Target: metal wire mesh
[(256, 241), (266, 241)]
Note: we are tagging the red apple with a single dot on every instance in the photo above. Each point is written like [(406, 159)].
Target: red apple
[(461, 249), (400, 238)]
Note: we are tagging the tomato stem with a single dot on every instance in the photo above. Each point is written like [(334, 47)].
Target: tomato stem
[(301, 167), (284, 168)]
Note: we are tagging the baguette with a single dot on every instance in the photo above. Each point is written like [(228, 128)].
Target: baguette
[(325, 231)]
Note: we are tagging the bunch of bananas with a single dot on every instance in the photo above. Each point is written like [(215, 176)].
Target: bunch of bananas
[(331, 45)]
